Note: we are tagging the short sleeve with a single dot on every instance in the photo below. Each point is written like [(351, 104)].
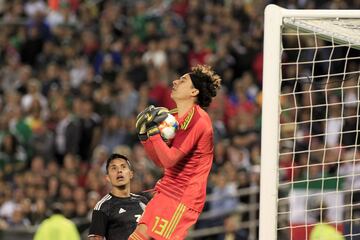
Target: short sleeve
[(98, 223)]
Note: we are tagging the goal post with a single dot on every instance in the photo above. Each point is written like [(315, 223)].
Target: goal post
[(309, 150)]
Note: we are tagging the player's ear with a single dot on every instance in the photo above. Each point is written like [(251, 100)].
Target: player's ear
[(131, 174), (194, 92), (107, 178)]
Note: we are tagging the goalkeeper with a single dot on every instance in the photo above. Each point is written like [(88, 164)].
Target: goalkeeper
[(180, 195)]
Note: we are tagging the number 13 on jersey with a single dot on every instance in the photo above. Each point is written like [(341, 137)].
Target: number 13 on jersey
[(160, 225)]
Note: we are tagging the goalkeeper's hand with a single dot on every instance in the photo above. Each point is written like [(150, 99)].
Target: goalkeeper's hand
[(156, 116), (141, 123), (147, 121), (141, 118)]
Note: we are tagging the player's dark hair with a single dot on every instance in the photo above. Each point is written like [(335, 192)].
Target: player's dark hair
[(57, 208), (207, 82), (116, 156)]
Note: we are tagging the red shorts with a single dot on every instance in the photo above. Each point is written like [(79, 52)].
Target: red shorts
[(167, 218)]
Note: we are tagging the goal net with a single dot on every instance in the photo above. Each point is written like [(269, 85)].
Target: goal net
[(310, 165)]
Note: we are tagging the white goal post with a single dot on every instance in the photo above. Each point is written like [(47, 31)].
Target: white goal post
[(315, 34)]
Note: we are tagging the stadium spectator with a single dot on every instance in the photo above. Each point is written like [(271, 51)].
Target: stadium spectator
[(232, 231), (67, 132), (225, 192), (323, 229), (57, 227)]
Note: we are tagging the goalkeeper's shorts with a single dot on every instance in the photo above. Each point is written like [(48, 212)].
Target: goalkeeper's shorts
[(167, 218)]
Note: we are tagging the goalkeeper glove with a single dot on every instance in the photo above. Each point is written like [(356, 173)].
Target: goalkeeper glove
[(141, 118), (156, 116), (160, 115), (141, 121), (147, 121)]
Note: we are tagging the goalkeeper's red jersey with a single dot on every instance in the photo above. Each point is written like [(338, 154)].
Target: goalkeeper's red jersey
[(186, 181)]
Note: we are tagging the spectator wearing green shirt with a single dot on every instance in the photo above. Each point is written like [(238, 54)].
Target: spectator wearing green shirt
[(324, 230), (57, 227)]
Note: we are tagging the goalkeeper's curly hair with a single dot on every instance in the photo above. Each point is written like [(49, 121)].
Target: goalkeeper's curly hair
[(207, 82)]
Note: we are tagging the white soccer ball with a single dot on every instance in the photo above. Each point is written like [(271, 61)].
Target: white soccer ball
[(168, 127)]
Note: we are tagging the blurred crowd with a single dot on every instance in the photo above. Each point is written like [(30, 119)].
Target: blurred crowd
[(74, 74)]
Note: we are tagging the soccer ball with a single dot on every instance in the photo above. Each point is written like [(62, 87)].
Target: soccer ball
[(168, 127)]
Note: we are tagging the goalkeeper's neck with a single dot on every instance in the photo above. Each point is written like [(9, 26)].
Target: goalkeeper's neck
[(184, 106)]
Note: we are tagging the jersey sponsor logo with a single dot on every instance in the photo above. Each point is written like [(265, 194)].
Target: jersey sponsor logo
[(122, 210)]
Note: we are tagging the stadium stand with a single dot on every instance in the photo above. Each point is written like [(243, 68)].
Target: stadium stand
[(73, 76)]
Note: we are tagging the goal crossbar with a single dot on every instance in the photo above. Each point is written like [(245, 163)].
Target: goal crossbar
[(339, 30)]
